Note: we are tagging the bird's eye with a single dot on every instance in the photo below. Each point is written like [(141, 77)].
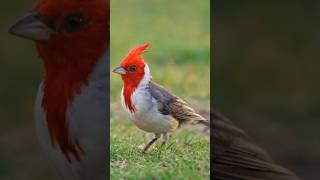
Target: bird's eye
[(74, 21), (132, 68)]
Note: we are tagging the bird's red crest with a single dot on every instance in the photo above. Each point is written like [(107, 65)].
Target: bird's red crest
[(134, 56)]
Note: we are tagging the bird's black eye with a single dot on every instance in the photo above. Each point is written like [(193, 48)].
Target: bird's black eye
[(74, 21), (132, 68)]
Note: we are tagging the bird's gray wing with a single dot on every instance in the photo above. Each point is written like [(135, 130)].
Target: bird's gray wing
[(170, 104), (236, 156)]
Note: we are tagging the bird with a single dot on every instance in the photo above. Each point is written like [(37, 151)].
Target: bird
[(150, 106), (235, 155), (71, 107)]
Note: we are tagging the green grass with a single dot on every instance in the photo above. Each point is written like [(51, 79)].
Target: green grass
[(179, 60), (186, 156)]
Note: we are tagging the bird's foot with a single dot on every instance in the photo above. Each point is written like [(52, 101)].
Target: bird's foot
[(150, 143), (164, 139)]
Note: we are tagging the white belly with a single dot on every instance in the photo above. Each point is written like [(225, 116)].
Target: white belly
[(154, 122)]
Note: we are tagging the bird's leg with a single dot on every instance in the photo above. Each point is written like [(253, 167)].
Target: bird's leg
[(151, 142), (164, 139)]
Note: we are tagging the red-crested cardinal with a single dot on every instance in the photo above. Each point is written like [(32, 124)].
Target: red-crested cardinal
[(72, 39), (151, 107)]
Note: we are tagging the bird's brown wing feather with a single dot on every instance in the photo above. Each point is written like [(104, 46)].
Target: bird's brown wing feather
[(236, 156), (170, 104)]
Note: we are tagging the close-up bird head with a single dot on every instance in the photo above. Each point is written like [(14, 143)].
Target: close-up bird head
[(73, 28), (133, 67)]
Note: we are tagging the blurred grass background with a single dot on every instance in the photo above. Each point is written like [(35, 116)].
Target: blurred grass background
[(179, 32), (266, 76), (20, 75)]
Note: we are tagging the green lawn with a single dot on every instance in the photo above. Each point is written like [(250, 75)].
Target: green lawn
[(186, 156), (179, 60)]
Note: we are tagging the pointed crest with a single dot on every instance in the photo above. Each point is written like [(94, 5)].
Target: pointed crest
[(135, 54), (137, 51)]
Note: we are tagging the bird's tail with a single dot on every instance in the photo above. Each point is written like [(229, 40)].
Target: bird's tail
[(181, 111), (205, 122)]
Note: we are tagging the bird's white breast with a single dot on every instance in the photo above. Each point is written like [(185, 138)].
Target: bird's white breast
[(88, 119), (147, 116)]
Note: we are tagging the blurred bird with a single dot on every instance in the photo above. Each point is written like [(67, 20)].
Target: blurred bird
[(72, 39), (151, 107), (236, 156)]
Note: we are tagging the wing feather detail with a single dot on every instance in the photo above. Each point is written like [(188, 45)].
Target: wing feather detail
[(169, 104), (236, 156)]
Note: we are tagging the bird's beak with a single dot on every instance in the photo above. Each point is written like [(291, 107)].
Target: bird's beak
[(31, 27), (119, 70)]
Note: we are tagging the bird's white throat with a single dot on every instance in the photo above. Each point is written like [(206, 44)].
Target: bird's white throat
[(146, 78), (140, 94)]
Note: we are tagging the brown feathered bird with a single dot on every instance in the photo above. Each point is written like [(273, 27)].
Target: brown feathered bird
[(237, 157), (151, 107)]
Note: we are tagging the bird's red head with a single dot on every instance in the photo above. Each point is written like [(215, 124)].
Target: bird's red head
[(67, 30), (79, 29), (134, 64), (132, 70)]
